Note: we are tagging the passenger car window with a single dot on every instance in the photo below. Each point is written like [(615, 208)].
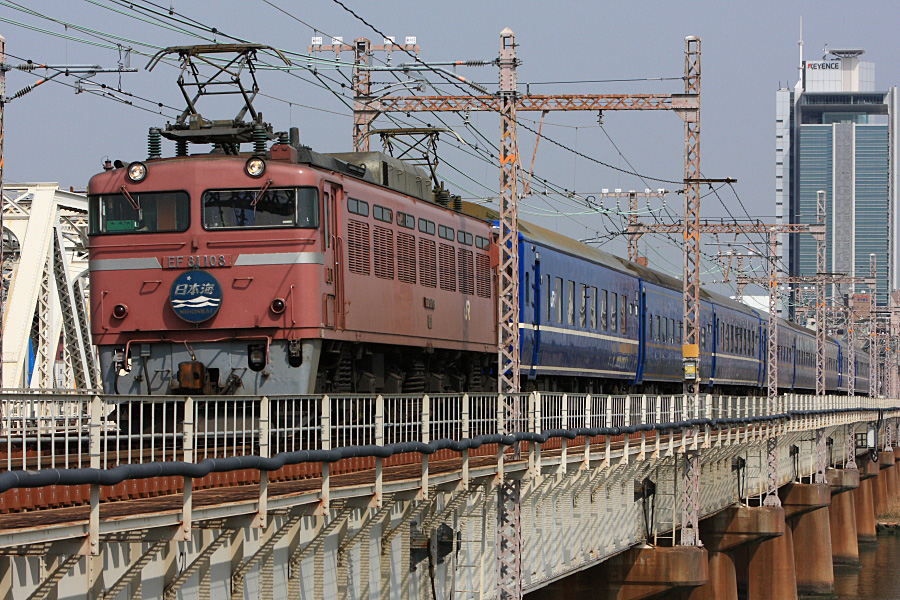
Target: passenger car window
[(556, 300), (582, 305), (603, 304), (613, 311), (593, 307)]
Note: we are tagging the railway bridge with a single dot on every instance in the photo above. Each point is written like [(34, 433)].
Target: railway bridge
[(394, 497)]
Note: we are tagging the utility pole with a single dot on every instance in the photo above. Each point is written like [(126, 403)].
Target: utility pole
[(86, 71)]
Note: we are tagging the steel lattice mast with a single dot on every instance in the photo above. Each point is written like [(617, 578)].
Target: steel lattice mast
[(690, 496), (819, 235), (507, 103), (509, 542)]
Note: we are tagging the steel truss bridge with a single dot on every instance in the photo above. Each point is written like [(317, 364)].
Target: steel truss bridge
[(45, 288), (375, 496)]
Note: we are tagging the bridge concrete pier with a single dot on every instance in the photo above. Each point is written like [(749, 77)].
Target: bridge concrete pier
[(770, 568), (806, 507), (639, 572), (864, 502), (894, 494), (726, 531), (882, 504), (646, 571), (842, 516)]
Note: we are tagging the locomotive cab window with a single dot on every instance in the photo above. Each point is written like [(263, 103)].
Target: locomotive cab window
[(153, 212), (272, 207)]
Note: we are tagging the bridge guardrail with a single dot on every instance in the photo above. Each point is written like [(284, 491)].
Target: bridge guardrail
[(41, 430)]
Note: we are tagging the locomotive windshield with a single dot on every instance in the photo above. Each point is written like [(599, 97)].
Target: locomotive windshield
[(152, 212), (272, 207)]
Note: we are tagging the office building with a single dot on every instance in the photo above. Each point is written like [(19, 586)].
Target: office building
[(835, 132)]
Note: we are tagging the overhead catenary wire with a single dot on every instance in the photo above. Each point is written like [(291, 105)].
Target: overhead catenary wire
[(564, 194)]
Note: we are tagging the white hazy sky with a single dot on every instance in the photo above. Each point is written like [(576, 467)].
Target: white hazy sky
[(749, 48)]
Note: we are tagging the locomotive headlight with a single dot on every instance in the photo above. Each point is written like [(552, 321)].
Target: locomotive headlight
[(277, 306), (119, 311), (255, 166), (256, 357), (136, 172)]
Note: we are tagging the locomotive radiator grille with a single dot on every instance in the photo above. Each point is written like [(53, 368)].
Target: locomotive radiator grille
[(427, 263), (448, 268), (384, 253), (406, 258), (466, 277), (358, 246)]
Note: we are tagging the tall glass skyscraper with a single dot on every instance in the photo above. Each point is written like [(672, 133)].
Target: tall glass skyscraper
[(835, 132)]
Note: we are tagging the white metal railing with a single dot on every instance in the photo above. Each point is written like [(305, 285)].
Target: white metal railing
[(40, 430)]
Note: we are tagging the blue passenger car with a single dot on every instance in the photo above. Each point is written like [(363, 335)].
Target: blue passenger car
[(594, 322)]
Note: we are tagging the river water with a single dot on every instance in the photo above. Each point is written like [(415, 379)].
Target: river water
[(879, 577)]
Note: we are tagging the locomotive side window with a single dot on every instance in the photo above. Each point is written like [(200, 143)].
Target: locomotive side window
[(481, 242), (405, 220), (383, 214), (139, 213), (358, 207), (426, 226), (445, 232), (273, 207), (464, 237)]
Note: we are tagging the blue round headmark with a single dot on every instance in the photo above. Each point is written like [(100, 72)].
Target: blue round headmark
[(195, 296)]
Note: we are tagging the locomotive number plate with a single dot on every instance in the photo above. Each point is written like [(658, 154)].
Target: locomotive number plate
[(200, 261)]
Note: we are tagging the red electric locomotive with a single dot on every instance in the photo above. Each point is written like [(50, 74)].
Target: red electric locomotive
[(286, 272)]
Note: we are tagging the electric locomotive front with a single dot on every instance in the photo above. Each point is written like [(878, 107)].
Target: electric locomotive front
[(207, 274)]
